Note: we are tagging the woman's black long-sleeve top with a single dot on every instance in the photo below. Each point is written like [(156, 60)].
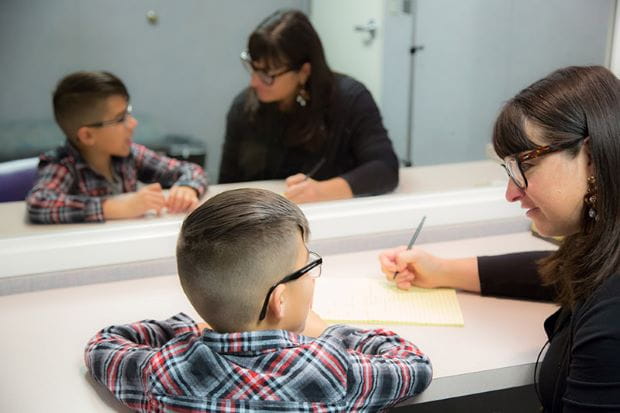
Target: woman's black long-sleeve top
[(357, 147), (581, 369)]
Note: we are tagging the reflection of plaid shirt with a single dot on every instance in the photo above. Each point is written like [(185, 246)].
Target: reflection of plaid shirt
[(68, 190), (156, 366)]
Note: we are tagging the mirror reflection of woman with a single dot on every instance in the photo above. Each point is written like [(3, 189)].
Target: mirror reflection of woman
[(560, 142), (297, 117)]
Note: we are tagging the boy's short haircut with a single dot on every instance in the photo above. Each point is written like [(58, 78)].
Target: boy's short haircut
[(232, 249), (79, 99)]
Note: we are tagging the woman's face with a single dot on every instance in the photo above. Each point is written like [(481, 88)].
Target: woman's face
[(557, 184), (285, 83)]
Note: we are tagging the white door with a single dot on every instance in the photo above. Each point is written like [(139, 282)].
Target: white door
[(355, 53), (370, 40)]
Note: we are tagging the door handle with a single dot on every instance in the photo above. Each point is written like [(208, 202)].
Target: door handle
[(370, 27)]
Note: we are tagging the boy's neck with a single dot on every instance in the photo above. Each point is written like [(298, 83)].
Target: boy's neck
[(98, 162)]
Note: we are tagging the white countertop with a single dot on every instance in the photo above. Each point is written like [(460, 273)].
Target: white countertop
[(452, 193), (414, 180), (44, 333)]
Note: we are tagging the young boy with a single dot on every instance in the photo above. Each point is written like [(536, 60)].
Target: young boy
[(243, 263), (93, 177)]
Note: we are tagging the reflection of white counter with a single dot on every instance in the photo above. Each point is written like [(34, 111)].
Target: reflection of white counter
[(46, 332), (448, 194)]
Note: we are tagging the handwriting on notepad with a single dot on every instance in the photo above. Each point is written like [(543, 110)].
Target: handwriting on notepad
[(374, 300)]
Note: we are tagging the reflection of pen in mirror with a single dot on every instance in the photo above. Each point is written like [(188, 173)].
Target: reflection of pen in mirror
[(315, 169), (414, 237)]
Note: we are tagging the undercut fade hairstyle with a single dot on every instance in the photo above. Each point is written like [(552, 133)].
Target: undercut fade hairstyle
[(568, 105), (232, 249), (79, 99), (286, 38)]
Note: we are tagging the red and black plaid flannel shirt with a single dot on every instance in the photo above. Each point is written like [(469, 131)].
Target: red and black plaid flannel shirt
[(157, 366), (68, 190)]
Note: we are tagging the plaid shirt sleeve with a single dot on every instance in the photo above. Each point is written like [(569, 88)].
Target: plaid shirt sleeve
[(116, 354), (152, 167), (50, 201), (384, 368)]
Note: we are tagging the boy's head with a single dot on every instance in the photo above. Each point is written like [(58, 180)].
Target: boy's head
[(92, 109), (233, 249)]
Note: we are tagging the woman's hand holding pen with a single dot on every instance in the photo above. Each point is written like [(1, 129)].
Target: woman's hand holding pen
[(300, 188), (415, 267)]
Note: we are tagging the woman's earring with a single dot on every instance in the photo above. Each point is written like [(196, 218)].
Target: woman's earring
[(302, 97), (590, 197)]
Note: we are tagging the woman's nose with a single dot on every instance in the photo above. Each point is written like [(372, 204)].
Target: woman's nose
[(513, 192), (254, 80)]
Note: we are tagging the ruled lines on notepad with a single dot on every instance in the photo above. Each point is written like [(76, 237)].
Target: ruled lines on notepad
[(376, 301)]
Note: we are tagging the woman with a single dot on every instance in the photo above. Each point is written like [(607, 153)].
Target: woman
[(560, 142), (300, 121)]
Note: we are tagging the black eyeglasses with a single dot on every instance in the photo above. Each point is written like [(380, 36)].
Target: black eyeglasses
[(121, 119), (315, 261), (513, 163), (266, 78)]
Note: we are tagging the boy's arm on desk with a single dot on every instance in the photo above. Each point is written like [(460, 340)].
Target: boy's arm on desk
[(114, 355), (383, 369), (50, 202)]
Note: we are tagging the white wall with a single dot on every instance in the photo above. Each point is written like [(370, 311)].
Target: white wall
[(615, 46)]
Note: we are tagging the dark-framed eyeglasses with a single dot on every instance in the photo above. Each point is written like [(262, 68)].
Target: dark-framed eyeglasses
[(313, 269), (267, 78), (120, 119), (513, 163)]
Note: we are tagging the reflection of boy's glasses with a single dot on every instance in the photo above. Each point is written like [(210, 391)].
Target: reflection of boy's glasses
[(513, 163), (121, 119), (315, 261), (266, 78)]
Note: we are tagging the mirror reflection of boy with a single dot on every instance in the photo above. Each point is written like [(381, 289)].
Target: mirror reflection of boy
[(93, 176), (244, 264)]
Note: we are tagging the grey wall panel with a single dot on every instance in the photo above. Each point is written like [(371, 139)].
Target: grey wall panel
[(479, 53)]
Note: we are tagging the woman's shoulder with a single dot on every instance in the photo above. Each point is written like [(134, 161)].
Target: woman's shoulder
[(351, 95), (605, 299), (610, 287), (348, 86)]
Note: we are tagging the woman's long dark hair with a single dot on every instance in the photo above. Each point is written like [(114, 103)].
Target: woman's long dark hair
[(569, 104), (287, 39)]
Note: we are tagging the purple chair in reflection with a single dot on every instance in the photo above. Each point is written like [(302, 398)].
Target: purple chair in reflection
[(17, 178)]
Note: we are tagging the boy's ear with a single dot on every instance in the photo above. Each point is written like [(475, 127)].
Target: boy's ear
[(85, 136), (277, 303)]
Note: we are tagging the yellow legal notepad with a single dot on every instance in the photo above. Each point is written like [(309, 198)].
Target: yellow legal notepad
[(377, 301)]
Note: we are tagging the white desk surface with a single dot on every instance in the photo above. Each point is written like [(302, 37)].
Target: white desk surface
[(44, 333), (449, 194)]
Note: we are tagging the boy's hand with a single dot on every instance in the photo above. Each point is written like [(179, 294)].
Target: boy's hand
[(314, 325), (181, 199), (203, 325), (135, 204)]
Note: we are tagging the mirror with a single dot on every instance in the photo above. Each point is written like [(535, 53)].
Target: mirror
[(181, 65)]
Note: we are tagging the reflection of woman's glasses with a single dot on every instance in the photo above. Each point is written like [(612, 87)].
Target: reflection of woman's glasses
[(266, 78), (315, 261), (121, 119), (513, 166)]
